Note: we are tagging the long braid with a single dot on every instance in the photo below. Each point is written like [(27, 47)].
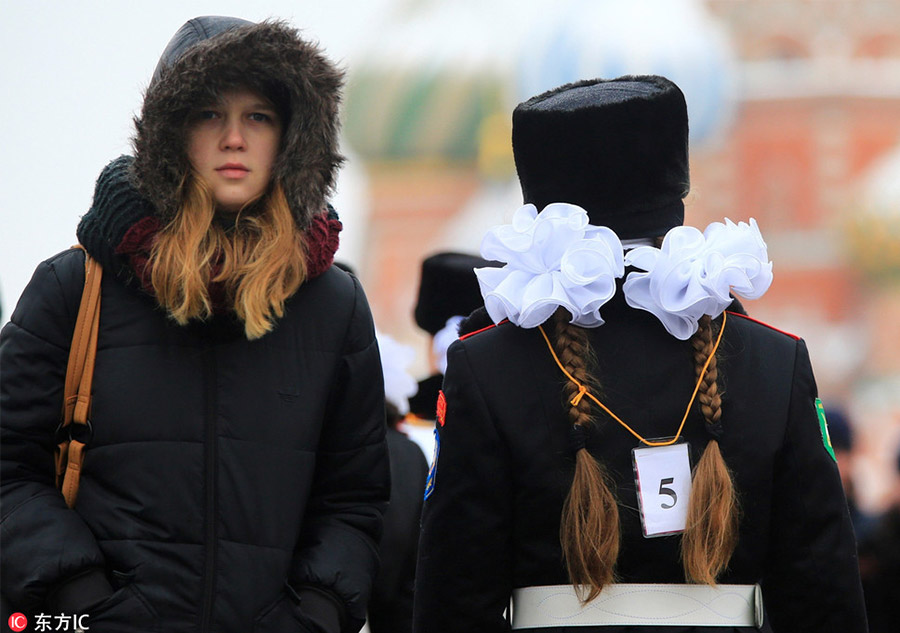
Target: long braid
[(709, 397), (710, 535), (589, 529)]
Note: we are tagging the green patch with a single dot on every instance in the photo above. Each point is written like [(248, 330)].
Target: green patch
[(823, 426)]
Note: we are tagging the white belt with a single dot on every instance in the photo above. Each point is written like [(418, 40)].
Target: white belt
[(639, 605)]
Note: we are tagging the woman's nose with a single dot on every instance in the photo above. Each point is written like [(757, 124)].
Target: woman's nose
[(232, 136)]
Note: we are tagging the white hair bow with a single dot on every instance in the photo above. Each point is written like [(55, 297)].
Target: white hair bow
[(556, 258), (553, 258), (693, 273), (399, 385)]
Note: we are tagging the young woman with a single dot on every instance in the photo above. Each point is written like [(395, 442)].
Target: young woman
[(571, 419), (236, 472)]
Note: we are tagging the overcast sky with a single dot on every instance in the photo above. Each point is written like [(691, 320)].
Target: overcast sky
[(73, 73)]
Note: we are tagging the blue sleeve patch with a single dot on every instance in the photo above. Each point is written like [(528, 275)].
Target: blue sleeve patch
[(432, 472)]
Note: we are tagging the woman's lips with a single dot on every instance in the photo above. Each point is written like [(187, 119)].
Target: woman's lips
[(233, 171)]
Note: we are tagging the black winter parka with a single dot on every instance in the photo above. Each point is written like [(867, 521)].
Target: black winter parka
[(223, 475)]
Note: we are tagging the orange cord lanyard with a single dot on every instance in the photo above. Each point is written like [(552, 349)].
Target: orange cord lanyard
[(583, 391)]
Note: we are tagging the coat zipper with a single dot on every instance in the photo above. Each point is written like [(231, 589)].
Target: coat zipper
[(209, 481)]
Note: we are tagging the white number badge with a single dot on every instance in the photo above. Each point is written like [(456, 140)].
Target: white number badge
[(663, 477)]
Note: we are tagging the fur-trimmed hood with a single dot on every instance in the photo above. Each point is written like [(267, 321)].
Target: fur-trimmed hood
[(211, 54)]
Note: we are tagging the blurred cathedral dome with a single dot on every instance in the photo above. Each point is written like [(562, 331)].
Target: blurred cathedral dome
[(440, 79), (678, 39), (874, 236)]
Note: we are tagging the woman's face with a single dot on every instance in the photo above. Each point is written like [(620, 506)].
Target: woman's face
[(232, 145)]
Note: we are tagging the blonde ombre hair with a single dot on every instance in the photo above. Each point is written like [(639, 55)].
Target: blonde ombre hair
[(260, 261)]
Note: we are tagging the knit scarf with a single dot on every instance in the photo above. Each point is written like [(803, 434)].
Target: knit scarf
[(121, 228)]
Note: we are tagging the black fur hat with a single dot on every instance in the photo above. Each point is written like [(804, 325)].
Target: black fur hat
[(448, 288), (212, 54), (617, 147)]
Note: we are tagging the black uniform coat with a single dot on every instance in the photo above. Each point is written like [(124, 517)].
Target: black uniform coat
[(492, 522), (391, 606)]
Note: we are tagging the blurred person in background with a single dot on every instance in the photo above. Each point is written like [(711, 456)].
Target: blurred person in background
[(236, 468), (842, 435), (628, 455), (448, 292), (879, 561), (391, 605)]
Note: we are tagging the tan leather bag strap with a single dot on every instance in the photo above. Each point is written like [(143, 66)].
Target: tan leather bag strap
[(79, 378)]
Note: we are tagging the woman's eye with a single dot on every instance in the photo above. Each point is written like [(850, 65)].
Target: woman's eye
[(207, 115), (260, 117)]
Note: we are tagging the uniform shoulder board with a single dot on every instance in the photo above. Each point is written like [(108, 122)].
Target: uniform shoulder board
[(484, 329), (749, 318)]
